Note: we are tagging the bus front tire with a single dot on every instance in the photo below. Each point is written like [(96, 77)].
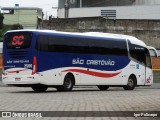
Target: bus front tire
[(67, 84), (131, 83), (103, 87), (39, 88)]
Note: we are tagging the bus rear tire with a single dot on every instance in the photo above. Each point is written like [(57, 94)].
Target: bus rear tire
[(67, 84), (39, 88), (131, 83), (103, 87)]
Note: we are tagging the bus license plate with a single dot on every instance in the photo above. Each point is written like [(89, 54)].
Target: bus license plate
[(17, 79)]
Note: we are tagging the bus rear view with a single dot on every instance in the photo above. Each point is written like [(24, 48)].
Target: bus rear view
[(19, 62)]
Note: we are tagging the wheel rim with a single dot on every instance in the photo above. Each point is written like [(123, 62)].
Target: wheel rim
[(68, 82), (130, 82)]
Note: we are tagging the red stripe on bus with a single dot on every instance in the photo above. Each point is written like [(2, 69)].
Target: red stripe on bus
[(93, 73), (15, 71)]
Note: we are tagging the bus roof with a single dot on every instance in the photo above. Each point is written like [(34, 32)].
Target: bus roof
[(132, 39)]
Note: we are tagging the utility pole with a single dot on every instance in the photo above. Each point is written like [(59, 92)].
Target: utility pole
[(66, 6), (80, 3), (46, 15)]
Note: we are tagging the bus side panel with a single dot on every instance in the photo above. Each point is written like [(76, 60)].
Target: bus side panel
[(132, 68), (119, 79), (87, 69), (56, 77)]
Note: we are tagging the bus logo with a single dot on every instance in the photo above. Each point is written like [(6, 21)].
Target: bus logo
[(18, 40), (149, 79), (6, 114)]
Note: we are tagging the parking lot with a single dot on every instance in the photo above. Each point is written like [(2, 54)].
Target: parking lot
[(80, 99)]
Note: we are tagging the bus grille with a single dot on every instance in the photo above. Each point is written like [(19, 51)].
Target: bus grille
[(17, 54)]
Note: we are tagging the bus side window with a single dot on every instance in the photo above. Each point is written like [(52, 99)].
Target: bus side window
[(42, 43)]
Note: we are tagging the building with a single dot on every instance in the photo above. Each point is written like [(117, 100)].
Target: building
[(28, 17), (111, 9)]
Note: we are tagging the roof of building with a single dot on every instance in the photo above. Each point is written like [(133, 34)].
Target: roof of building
[(21, 8)]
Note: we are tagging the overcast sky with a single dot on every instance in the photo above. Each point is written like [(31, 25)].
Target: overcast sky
[(46, 5)]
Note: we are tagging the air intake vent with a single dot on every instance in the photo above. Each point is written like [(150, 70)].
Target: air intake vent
[(110, 14), (17, 54)]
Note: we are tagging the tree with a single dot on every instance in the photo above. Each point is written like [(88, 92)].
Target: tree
[(1, 20), (16, 27)]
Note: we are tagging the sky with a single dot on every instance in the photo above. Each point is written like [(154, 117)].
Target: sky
[(46, 5)]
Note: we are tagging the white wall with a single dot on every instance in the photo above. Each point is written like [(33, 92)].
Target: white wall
[(27, 18), (123, 12)]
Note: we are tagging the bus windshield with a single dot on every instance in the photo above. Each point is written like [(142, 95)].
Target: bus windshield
[(18, 40)]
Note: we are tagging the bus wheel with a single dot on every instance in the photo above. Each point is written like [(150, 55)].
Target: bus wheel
[(103, 87), (68, 83), (40, 88), (131, 83)]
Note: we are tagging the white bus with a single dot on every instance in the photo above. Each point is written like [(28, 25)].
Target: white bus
[(43, 58)]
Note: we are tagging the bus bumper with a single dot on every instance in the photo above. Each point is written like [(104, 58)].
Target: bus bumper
[(8, 80)]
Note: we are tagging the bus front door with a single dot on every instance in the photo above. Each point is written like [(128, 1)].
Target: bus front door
[(148, 69)]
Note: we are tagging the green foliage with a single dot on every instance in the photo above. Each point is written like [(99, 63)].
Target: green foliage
[(5, 28), (1, 20), (3, 31), (1, 26)]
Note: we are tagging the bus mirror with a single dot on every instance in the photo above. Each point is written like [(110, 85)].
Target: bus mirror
[(153, 51)]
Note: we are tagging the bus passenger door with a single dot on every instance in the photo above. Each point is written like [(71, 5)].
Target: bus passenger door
[(140, 65), (148, 69)]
